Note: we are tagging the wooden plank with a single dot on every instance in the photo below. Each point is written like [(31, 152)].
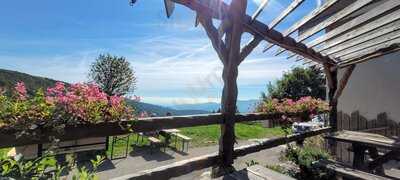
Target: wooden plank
[(186, 166), (276, 141), (376, 47), (368, 43), (357, 22), (307, 18), (266, 173), (334, 18), (352, 41), (345, 171), (346, 146), (367, 139), (259, 10), (285, 13)]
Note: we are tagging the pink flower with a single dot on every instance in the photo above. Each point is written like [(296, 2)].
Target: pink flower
[(21, 90), (116, 101), (58, 89)]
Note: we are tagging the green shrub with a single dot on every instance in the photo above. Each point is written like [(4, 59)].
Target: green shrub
[(304, 158), (45, 167)]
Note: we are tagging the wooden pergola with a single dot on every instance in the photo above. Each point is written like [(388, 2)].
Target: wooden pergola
[(355, 31)]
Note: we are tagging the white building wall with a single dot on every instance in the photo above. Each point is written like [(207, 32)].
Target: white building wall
[(373, 88)]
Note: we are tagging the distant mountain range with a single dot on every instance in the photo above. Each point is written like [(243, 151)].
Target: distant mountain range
[(243, 106), (8, 79)]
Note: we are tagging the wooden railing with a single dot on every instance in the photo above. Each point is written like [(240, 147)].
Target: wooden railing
[(73, 132), (8, 139)]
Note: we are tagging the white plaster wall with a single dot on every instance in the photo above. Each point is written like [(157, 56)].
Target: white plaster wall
[(373, 88)]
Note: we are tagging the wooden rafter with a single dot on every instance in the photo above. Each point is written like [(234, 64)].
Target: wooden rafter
[(356, 23), (258, 29), (357, 5), (259, 10), (246, 50), (275, 37), (367, 57), (307, 18), (354, 41), (285, 13), (366, 44), (374, 48), (334, 18)]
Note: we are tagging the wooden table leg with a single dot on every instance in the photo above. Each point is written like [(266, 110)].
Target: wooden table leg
[(380, 160), (359, 156), (373, 153)]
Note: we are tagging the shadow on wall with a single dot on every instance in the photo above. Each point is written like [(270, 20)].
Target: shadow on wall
[(355, 122)]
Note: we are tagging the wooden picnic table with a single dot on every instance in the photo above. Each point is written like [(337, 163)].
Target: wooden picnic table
[(362, 141)]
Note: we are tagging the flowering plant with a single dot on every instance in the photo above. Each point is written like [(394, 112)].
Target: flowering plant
[(307, 105), (60, 105)]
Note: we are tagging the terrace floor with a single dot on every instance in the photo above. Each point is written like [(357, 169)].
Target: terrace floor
[(142, 159)]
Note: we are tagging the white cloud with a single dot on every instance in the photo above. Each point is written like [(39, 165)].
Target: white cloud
[(168, 101)]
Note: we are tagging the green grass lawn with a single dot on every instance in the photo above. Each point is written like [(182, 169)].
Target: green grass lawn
[(208, 135)]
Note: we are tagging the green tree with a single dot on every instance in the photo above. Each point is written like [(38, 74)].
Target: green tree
[(297, 83), (113, 74)]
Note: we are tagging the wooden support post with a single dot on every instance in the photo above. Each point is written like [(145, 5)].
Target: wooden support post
[(331, 76), (233, 35)]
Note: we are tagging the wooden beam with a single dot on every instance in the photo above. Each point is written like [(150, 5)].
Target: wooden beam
[(187, 166), (374, 48), (246, 50), (368, 43), (357, 22), (275, 37), (213, 34), (259, 10), (354, 41), (260, 29), (343, 82), (307, 18)]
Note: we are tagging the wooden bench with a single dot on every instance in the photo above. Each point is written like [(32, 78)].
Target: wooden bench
[(155, 143), (185, 141), (343, 171)]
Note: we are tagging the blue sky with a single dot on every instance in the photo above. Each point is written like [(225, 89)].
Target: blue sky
[(173, 60)]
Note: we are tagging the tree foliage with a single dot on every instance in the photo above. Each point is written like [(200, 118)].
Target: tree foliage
[(113, 74), (297, 83)]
